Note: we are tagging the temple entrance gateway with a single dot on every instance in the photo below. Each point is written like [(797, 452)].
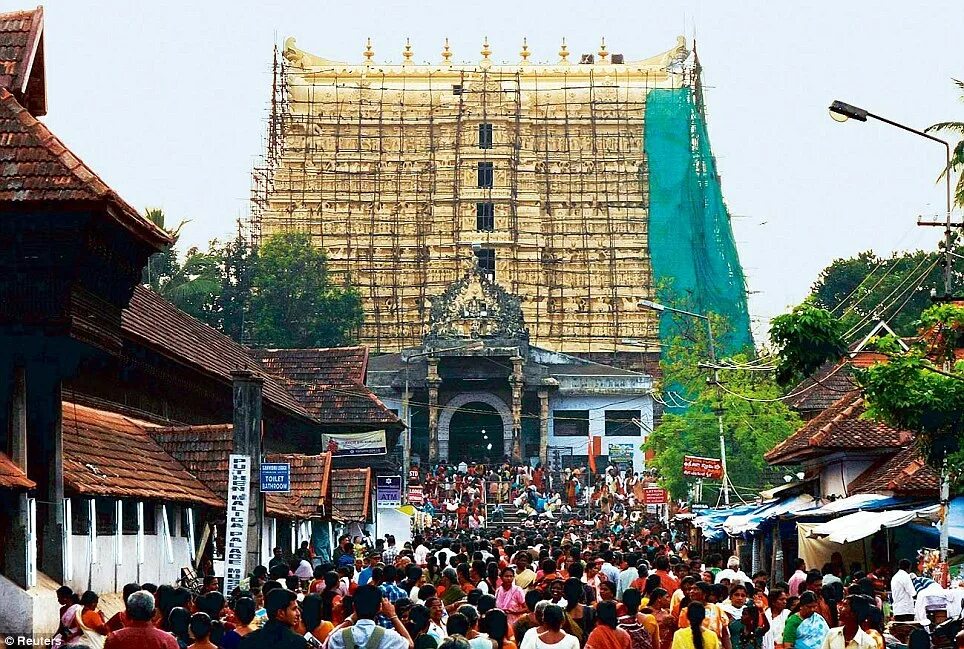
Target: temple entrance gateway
[(476, 435)]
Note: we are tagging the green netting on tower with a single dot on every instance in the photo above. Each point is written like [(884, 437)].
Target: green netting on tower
[(691, 244)]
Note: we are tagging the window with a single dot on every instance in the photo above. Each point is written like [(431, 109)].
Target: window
[(129, 524), (620, 423), (486, 260), (484, 217), (106, 513), (570, 423), (486, 175), (185, 514), (150, 518), (79, 516), (485, 136)]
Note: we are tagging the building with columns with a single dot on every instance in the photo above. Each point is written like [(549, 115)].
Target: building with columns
[(477, 390)]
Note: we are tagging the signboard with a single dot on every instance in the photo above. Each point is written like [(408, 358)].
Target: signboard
[(415, 495), (702, 467), (621, 455), (655, 496), (388, 491), (413, 474), (275, 478), (355, 444), (236, 531)]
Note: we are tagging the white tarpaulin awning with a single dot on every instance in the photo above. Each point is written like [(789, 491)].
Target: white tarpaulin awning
[(859, 525), (850, 503)]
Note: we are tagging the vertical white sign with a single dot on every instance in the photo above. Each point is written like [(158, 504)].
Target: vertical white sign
[(236, 533)]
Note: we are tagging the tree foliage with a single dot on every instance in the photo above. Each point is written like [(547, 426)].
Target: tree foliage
[(294, 302), (805, 339), (751, 428), (957, 150), (922, 389)]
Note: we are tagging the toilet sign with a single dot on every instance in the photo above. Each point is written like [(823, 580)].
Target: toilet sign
[(275, 478)]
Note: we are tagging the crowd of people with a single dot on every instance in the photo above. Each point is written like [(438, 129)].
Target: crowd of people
[(456, 494), (557, 586)]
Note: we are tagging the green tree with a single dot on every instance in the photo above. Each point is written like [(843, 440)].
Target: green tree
[(805, 339), (957, 151), (922, 389), (234, 300), (195, 285), (293, 301), (163, 265), (754, 418)]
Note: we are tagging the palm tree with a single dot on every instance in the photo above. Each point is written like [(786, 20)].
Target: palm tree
[(163, 265), (956, 164)]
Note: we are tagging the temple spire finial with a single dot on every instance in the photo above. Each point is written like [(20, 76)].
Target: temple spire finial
[(446, 52), (603, 53), (485, 50), (407, 53), (369, 52), (564, 52), (525, 53)]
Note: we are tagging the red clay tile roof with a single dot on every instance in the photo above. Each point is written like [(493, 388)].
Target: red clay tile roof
[(203, 450), (11, 477), (21, 56), (827, 385), (903, 474), (330, 382), (154, 322), (36, 166), (839, 427), (350, 494), (309, 495), (106, 454)]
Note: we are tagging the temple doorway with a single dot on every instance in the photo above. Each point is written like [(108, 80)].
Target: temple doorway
[(476, 434)]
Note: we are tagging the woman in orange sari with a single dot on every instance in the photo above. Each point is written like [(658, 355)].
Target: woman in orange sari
[(607, 634)]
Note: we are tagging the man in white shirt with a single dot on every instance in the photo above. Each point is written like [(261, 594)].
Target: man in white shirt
[(610, 571), (733, 572), (903, 592), (852, 611), (368, 603)]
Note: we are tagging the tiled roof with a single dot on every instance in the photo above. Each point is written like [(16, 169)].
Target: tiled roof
[(330, 383), (904, 473), (203, 450), (36, 166), (107, 454), (11, 477), (310, 478), (153, 321), (21, 55), (839, 427), (827, 385), (350, 494)]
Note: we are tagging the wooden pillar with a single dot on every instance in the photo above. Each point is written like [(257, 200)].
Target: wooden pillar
[(544, 427), (516, 382), (433, 380), (45, 462), (247, 388), (15, 442)]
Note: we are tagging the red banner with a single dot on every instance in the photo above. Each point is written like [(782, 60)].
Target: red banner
[(655, 496), (702, 467), (415, 495)]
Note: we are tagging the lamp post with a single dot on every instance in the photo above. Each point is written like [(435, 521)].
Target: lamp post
[(842, 112), (473, 346), (656, 306)]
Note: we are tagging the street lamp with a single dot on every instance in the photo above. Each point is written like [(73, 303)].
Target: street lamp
[(656, 306), (473, 346), (841, 112)]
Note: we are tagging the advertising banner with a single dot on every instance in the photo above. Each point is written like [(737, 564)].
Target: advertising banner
[(236, 532), (621, 455), (702, 467), (355, 444), (415, 495), (388, 491), (655, 496)]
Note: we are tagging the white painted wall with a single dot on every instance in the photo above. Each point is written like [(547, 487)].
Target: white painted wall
[(597, 406), (33, 611), (840, 472)]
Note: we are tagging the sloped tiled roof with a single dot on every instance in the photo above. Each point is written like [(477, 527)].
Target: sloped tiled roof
[(904, 473), (203, 450), (839, 427), (106, 454), (824, 388), (36, 166), (310, 484), (330, 383), (11, 477), (156, 323), (21, 56), (350, 494)]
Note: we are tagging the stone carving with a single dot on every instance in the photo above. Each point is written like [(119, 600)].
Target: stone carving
[(476, 307)]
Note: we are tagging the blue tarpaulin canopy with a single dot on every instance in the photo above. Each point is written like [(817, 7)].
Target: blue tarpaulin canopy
[(741, 524), (711, 522), (955, 519)]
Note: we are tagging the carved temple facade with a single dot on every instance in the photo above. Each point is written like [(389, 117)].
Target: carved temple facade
[(402, 173), (477, 390)]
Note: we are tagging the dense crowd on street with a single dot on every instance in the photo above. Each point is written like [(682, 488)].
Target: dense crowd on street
[(558, 585)]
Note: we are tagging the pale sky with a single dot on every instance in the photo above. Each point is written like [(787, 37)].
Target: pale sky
[(167, 101)]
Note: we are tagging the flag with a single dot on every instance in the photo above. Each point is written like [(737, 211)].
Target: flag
[(592, 452)]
